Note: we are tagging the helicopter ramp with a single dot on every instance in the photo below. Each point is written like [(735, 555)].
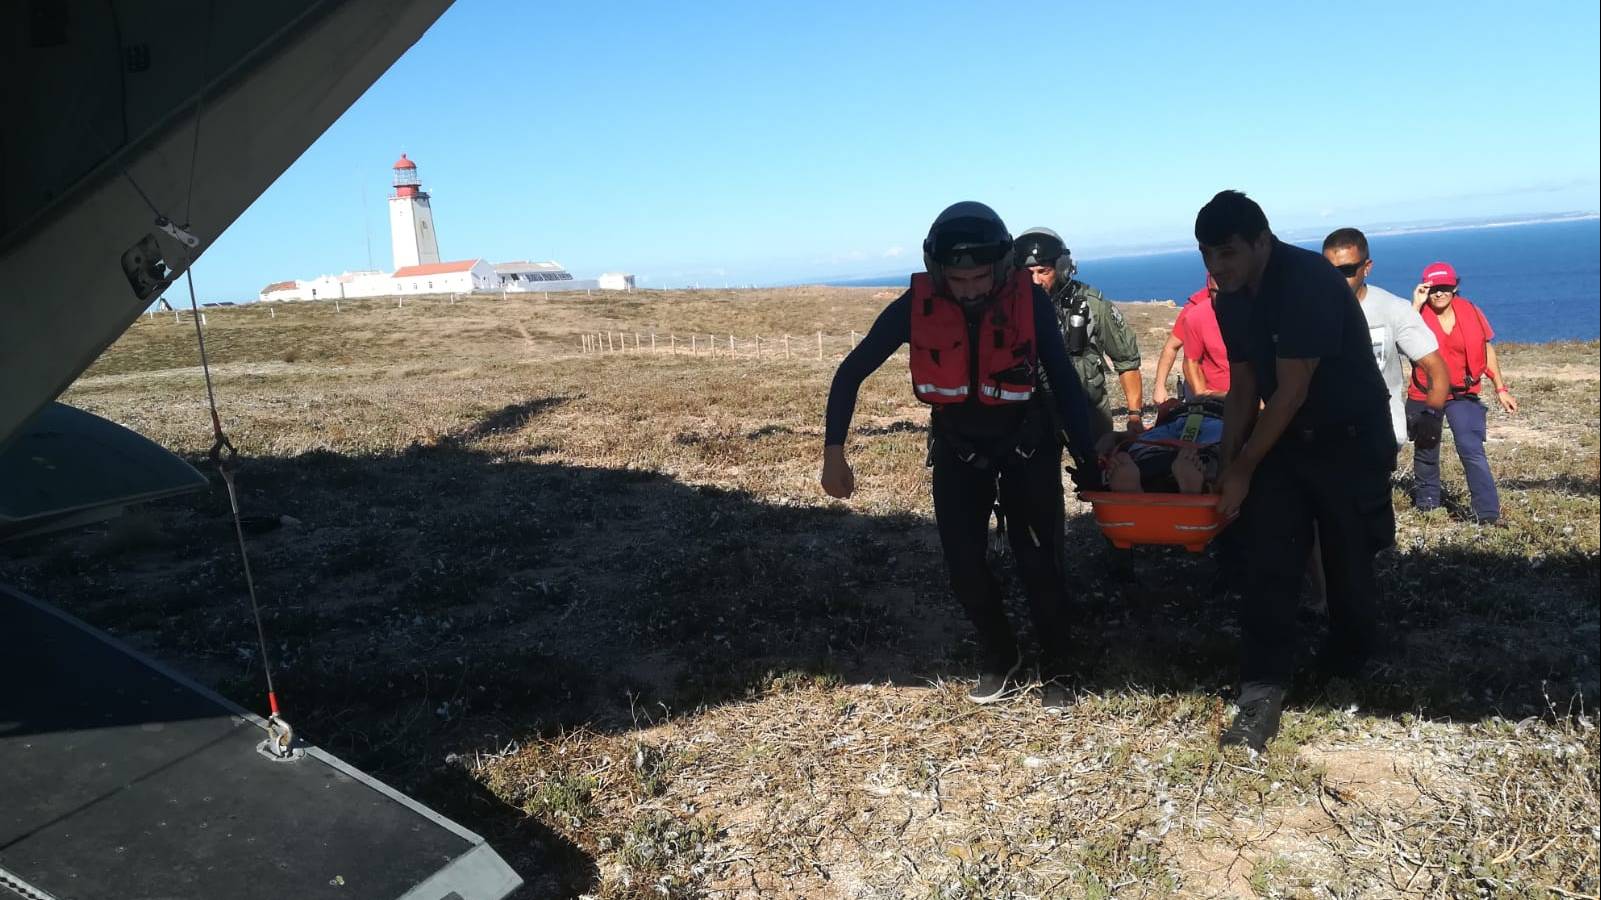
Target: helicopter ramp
[(121, 779)]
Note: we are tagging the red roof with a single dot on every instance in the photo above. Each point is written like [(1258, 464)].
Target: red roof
[(279, 286), (404, 163), (460, 265)]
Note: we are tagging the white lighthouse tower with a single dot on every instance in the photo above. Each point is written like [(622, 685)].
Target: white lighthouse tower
[(411, 219)]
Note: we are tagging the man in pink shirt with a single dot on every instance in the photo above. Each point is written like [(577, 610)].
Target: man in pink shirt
[(1205, 344), (1206, 360)]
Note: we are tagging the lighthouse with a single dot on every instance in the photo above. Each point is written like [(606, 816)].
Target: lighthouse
[(411, 219)]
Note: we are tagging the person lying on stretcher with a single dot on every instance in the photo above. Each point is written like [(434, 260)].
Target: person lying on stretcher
[(1179, 455)]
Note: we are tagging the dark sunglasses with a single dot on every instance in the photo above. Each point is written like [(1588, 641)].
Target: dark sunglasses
[(1349, 270), (1442, 289)]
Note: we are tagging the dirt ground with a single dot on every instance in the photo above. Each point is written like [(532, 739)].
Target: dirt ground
[(594, 606)]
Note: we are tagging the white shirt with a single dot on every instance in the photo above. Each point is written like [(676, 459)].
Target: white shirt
[(1395, 330)]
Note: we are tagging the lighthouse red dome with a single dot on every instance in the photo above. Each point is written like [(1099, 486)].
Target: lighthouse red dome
[(404, 163)]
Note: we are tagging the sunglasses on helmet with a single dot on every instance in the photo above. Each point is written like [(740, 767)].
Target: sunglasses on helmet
[(961, 250), (1349, 270), (1038, 250)]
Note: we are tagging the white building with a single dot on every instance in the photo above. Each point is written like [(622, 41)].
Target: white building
[(345, 286), (281, 290), (466, 276), (418, 270), (540, 277), (412, 239)]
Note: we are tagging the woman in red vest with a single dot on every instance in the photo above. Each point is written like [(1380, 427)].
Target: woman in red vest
[(980, 333), (1464, 335)]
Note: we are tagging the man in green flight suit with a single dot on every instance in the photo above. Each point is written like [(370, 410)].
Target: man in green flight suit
[(1092, 326)]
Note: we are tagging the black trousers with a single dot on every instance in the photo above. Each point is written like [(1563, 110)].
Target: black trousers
[(1344, 487), (1030, 493)]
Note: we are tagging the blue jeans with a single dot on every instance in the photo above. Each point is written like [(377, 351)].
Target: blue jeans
[(1466, 417)]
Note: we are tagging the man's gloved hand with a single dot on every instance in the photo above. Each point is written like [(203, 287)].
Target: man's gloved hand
[(1425, 428)]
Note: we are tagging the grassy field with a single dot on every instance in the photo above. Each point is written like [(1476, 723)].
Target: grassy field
[(594, 606)]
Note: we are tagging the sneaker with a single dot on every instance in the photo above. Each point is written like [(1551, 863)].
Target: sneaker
[(1261, 706), (994, 682), (1055, 697)]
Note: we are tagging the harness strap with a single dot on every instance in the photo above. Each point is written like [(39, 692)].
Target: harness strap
[(1192, 426)]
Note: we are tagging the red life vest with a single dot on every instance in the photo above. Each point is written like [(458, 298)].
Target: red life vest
[(1474, 333), (1006, 356)]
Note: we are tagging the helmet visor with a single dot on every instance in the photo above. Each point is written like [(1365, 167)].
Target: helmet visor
[(968, 243), (1038, 250)]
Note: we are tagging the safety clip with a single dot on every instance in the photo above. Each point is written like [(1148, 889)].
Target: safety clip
[(176, 233)]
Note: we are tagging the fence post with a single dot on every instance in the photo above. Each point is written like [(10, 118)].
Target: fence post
[(672, 344), (636, 342), (693, 350), (819, 345), (786, 346), (731, 351), (272, 312), (336, 304), (653, 342)]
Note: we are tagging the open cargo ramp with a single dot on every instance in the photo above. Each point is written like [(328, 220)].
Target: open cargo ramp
[(122, 780)]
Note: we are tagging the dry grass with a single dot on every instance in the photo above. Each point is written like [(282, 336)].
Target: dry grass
[(595, 607)]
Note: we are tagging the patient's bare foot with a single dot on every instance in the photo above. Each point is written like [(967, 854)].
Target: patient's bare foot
[(1188, 471), (1123, 475)]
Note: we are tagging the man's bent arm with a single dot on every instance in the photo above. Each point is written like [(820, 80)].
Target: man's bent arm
[(890, 330), (1294, 378), (1133, 391), (1239, 409), (1193, 377), (1164, 362), (1439, 379)]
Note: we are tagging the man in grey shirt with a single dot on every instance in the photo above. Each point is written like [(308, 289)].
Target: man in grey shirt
[(1395, 330)]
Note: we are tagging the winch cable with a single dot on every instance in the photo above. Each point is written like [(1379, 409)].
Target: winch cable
[(223, 455)]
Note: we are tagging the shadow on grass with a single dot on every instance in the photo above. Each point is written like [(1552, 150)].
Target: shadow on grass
[(445, 600), (1561, 484)]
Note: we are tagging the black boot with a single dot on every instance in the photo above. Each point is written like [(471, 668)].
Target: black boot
[(1261, 707)]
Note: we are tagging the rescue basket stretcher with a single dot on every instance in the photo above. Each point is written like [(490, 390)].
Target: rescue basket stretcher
[(1185, 520), (1132, 519)]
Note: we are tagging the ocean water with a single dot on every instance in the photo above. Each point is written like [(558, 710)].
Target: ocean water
[(1535, 282)]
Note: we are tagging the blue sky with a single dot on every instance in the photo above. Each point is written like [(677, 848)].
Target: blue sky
[(748, 142)]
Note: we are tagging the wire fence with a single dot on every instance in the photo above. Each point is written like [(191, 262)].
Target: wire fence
[(817, 345)]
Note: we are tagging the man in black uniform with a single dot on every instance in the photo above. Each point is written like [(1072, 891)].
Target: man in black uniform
[(981, 334), (1307, 439)]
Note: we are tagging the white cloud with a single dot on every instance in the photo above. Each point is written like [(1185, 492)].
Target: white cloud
[(893, 252)]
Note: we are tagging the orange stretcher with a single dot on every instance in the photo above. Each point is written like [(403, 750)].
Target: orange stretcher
[(1186, 520)]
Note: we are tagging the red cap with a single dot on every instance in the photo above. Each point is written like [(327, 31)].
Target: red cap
[(404, 163), (1439, 273)]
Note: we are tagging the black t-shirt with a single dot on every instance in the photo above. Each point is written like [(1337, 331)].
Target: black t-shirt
[(1305, 310)]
